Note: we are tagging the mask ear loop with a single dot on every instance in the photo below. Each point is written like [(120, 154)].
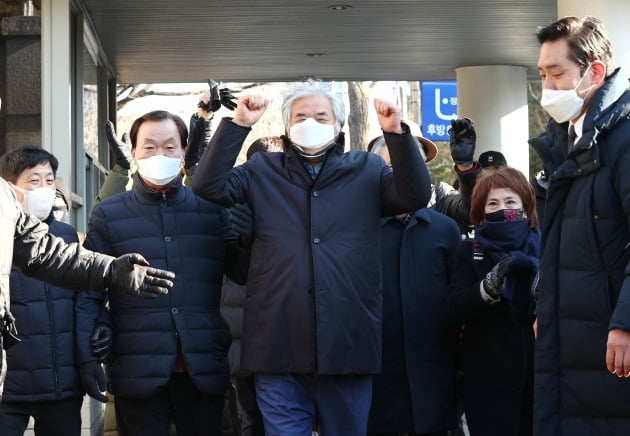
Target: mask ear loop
[(590, 88), (582, 78)]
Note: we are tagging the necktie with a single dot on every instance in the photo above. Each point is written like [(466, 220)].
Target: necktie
[(572, 136)]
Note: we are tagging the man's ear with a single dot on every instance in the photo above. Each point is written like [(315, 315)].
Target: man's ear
[(598, 73)]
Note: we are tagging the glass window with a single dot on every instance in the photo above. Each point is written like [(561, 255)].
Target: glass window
[(90, 106), (12, 8)]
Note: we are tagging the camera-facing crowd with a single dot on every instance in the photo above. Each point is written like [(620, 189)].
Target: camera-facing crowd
[(331, 291)]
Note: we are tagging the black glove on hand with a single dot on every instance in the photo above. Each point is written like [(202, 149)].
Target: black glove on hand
[(119, 148), (196, 141), (462, 139), (101, 341), (243, 223), (10, 335), (495, 279), (93, 380), (218, 97), (131, 274), (227, 99)]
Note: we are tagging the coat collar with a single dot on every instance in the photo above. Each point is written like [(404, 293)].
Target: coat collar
[(297, 173), (145, 194), (604, 112), (610, 104), (419, 216)]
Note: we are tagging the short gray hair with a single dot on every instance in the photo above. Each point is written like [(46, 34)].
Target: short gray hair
[(310, 89)]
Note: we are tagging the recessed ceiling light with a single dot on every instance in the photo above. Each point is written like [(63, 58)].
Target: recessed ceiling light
[(339, 7), (315, 54)]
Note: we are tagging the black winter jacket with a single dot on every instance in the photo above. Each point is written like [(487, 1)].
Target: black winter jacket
[(314, 298), (232, 302), (415, 390), (26, 243), (498, 342), (42, 366), (584, 287), (456, 204), (183, 233)]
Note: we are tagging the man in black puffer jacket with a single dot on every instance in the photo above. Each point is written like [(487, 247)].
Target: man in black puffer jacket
[(42, 378), (26, 243), (171, 352), (583, 346)]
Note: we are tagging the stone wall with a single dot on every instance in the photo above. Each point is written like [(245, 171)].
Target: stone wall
[(20, 82)]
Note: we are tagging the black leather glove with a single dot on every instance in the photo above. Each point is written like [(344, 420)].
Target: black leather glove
[(227, 99), (196, 141), (243, 223), (101, 341), (495, 279), (120, 148), (462, 139), (218, 97), (10, 335), (93, 380), (131, 274)]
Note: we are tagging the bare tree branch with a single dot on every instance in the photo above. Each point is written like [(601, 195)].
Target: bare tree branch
[(126, 93)]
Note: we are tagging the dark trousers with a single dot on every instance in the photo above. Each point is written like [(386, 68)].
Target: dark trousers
[(437, 433), (52, 418), (250, 418), (292, 404), (193, 413)]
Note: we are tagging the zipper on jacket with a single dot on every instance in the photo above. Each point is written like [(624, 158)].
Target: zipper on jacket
[(53, 339)]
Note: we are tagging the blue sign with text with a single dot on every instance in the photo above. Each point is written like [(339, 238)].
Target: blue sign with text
[(439, 107)]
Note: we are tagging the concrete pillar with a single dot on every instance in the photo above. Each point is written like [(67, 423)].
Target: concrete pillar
[(614, 14), (56, 84), (495, 98)]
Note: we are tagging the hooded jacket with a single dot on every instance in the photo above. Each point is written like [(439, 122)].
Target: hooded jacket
[(584, 287)]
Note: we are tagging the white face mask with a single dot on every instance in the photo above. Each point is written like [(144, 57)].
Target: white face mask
[(39, 201), (311, 135), (159, 170), (564, 104)]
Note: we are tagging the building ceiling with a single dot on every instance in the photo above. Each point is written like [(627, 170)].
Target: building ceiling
[(286, 40)]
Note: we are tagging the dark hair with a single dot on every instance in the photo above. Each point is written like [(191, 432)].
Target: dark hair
[(13, 162), (587, 40), (158, 116), (502, 177), (264, 144)]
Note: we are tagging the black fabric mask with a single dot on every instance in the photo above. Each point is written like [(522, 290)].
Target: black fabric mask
[(504, 215)]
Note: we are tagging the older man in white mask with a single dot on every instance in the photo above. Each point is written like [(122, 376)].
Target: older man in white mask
[(311, 332), (170, 354)]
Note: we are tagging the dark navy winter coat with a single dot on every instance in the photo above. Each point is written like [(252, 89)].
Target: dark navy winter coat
[(497, 347), (415, 390), (314, 298), (180, 232), (26, 242), (42, 366), (584, 287)]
